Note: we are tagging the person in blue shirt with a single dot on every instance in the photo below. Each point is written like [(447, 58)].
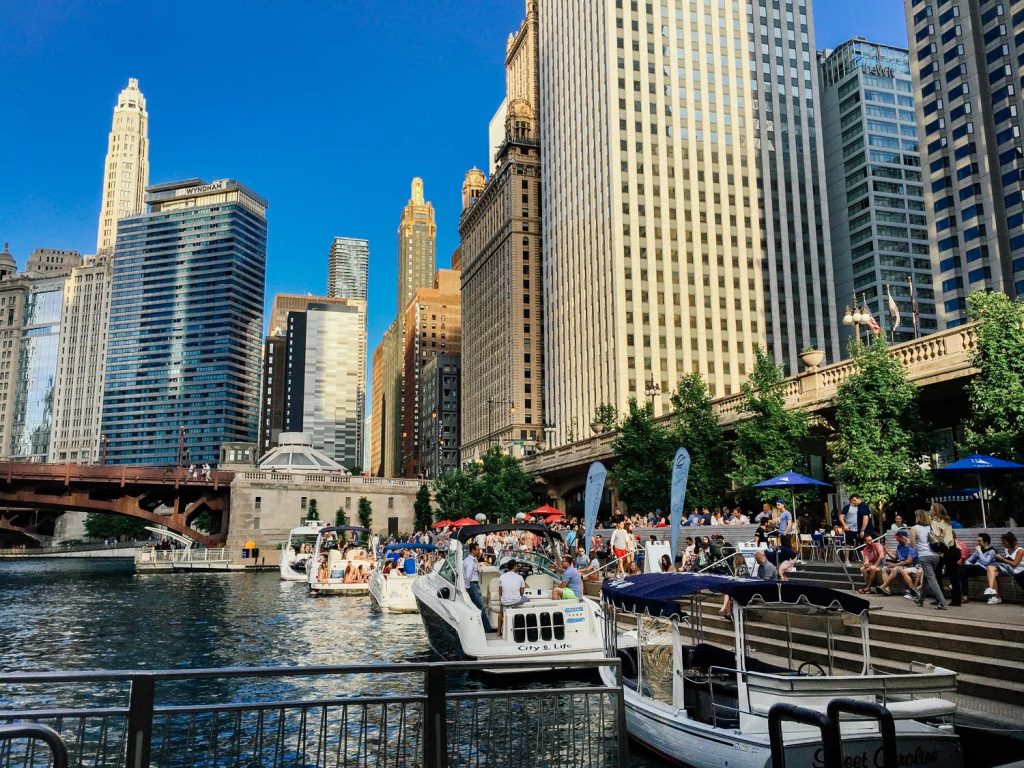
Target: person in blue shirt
[(571, 585), (903, 565), (471, 576), (570, 539), (693, 519), (786, 525)]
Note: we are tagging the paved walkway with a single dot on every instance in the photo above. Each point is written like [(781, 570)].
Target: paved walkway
[(1009, 614)]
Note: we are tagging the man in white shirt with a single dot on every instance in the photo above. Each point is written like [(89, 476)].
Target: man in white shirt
[(620, 546), (471, 575), (511, 587)]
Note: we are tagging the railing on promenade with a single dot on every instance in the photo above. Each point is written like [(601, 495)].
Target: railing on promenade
[(63, 549), (407, 715)]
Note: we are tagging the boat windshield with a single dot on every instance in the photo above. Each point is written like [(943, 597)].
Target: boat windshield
[(301, 543)]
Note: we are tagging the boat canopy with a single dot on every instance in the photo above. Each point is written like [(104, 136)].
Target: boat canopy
[(472, 531), (345, 528), (409, 545), (657, 593)]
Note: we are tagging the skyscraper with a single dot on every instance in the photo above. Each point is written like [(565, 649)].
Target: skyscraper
[(417, 244), (966, 58), (876, 202), (653, 256), (439, 416), (126, 169), (347, 268), (500, 229), (183, 351)]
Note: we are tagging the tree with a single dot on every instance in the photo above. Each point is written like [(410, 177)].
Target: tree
[(453, 494), (312, 514), (768, 441), (880, 440), (643, 460), (695, 427), (496, 485), (365, 511), (422, 512), (100, 525), (606, 418), (341, 517)]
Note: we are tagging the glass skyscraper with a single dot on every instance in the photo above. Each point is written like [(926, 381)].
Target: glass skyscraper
[(347, 267), (186, 317)]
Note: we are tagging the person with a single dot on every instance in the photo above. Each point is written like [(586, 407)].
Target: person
[(738, 518), (511, 589), (948, 551), (693, 518), (666, 564), (716, 517), (570, 538), (1010, 563), (897, 524), (873, 556), (786, 526), (927, 558), (977, 563), (619, 542), (206, 471), (765, 514), (631, 547), (903, 565), (764, 568), (322, 574), (351, 574), (471, 575), (571, 585)]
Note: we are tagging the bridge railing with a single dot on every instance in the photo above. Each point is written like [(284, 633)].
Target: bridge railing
[(405, 714)]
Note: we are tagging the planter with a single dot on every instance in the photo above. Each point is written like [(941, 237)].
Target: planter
[(812, 358)]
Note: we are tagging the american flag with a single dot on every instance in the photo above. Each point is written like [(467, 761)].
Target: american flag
[(869, 321)]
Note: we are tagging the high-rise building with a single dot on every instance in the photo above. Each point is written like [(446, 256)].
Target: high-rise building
[(500, 229), (183, 350), (417, 246), (126, 169), (81, 356), (876, 202), (347, 267), (654, 189), (966, 59), (50, 262), (439, 416), (272, 393), (433, 326)]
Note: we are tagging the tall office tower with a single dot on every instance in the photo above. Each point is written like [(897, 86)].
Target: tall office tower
[(325, 377), (183, 350), (500, 229), (876, 202), (433, 326), (417, 246), (967, 59), (126, 170), (439, 416), (273, 390), (50, 262), (81, 356), (347, 266)]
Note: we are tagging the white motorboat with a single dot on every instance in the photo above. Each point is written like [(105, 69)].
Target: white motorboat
[(393, 576), (699, 702), (297, 552), (341, 561), (540, 629)]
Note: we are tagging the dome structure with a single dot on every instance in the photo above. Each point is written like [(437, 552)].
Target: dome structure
[(295, 453)]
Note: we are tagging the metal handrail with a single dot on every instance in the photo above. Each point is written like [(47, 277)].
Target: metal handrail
[(38, 732), (832, 754)]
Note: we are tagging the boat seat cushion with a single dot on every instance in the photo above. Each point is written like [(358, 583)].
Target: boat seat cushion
[(915, 709)]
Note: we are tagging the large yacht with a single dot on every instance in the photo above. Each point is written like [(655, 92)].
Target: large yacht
[(341, 561), (538, 630), (701, 697)]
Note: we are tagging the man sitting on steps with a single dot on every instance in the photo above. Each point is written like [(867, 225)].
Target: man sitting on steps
[(977, 563), (904, 566)]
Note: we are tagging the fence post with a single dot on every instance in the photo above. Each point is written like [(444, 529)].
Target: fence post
[(140, 721), (435, 717), (622, 738)]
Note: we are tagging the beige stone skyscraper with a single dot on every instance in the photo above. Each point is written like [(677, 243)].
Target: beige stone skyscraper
[(417, 244), (126, 170)]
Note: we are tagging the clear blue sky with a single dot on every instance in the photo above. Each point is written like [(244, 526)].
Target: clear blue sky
[(328, 109)]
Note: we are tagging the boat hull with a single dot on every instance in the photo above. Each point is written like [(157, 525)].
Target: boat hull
[(393, 593)]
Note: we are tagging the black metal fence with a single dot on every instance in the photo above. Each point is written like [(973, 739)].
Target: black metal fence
[(411, 716)]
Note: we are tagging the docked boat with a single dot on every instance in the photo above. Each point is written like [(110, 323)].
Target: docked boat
[(704, 702), (540, 629), (297, 551), (341, 561), (394, 574)]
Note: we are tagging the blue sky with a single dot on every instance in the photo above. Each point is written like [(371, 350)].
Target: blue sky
[(326, 109)]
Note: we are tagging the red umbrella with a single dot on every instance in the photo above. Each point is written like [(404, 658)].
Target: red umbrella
[(442, 524), (464, 522), (546, 511)]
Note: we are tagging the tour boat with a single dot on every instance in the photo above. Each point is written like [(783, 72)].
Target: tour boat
[(701, 696), (297, 552), (538, 630), (391, 589), (333, 556)]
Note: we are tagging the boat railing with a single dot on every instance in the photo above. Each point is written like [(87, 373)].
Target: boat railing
[(331, 716)]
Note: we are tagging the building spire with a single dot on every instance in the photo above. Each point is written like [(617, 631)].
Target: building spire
[(126, 170)]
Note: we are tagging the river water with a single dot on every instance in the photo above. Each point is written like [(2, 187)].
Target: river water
[(100, 615)]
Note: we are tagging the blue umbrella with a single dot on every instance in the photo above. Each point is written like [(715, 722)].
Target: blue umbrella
[(791, 480), (977, 464)]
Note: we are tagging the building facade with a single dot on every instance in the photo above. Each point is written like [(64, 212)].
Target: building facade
[(347, 266), (183, 352), (876, 199), (272, 393), (500, 230), (417, 246), (433, 326), (126, 168), (439, 416), (966, 59)]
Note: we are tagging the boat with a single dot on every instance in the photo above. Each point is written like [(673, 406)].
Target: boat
[(297, 551), (391, 587), (538, 630), (705, 704), (334, 553)]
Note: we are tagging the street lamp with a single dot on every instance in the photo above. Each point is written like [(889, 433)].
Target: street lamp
[(103, 449), (653, 389), (856, 316), (181, 445)]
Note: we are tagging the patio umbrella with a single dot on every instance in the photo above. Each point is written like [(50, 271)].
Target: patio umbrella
[(546, 511), (464, 522), (791, 480), (441, 524), (978, 464)]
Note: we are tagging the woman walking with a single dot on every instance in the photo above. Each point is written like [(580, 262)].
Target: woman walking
[(949, 558), (927, 559)]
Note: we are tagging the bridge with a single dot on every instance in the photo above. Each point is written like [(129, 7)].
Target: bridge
[(34, 494), (940, 364)]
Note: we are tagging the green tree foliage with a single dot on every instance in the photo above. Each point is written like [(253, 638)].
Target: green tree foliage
[(312, 514), (497, 486), (341, 517), (695, 428), (203, 522), (606, 418), (100, 525), (365, 511), (880, 440), (643, 460), (768, 440), (422, 512)]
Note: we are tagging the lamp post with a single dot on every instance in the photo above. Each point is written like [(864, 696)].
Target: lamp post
[(181, 445), (103, 450), (548, 431), (653, 390), (856, 316)]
